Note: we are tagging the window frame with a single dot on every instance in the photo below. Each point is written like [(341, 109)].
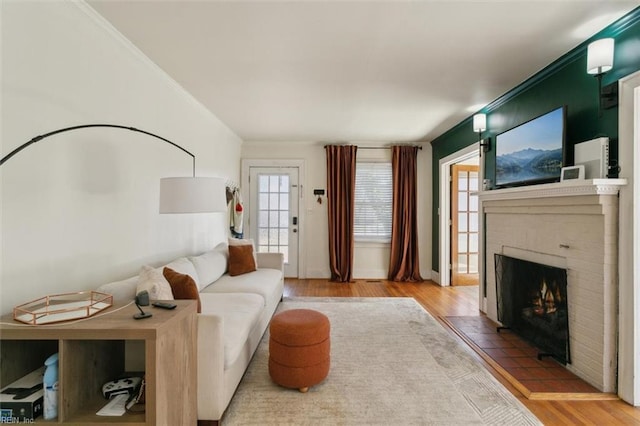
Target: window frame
[(377, 238)]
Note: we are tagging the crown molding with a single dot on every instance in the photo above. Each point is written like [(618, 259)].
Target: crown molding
[(574, 54), (118, 37)]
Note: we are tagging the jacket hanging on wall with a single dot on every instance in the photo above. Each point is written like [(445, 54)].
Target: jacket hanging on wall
[(236, 213)]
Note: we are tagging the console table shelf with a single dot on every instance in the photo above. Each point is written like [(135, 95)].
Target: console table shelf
[(92, 352)]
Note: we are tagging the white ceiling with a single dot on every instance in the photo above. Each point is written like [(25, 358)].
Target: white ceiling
[(353, 71)]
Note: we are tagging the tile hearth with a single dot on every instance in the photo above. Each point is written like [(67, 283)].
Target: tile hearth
[(517, 361)]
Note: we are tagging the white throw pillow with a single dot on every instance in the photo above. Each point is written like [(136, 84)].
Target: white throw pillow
[(122, 291), (210, 265), (152, 280)]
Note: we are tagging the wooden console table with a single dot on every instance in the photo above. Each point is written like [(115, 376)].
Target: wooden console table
[(92, 352)]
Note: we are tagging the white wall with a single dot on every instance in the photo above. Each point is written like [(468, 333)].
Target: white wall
[(629, 240), (81, 208), (371, 260)]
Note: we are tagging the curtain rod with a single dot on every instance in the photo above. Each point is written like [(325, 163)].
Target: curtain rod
[(386, 147), (382, 147)]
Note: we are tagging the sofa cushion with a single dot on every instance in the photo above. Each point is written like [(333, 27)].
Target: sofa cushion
[(241, 260), (265, 282), (183, 266), (210, 265), (122, 291), (153, 282), (240, 313), (182, 286)]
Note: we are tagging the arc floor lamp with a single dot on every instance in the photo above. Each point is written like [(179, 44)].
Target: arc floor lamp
[(177, 194)]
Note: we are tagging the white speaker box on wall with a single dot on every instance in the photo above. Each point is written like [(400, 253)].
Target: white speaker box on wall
[(594, 156)]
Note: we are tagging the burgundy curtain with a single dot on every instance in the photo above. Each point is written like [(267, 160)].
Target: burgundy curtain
[(404, 264), (341, 182)]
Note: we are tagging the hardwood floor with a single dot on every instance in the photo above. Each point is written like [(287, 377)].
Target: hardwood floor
[(462, 301)]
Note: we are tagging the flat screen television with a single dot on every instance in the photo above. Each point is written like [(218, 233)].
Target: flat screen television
[(532, 152)]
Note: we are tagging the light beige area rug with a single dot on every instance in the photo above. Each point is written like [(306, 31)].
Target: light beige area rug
[(391, 363)]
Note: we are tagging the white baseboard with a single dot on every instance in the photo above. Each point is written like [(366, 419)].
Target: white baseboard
[(318, 274), (361, 274), (369, 274)]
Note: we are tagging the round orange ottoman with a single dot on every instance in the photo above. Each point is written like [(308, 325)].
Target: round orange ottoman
[(299, 348)]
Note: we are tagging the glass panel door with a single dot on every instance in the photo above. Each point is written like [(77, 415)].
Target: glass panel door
[(464, 225), (273, 214), (273, 219)]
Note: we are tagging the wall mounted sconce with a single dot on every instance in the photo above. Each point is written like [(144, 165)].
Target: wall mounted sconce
[(479, 126), (599, 61), (177, 194)]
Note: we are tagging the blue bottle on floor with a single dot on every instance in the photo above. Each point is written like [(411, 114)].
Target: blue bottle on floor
[(50, 384)]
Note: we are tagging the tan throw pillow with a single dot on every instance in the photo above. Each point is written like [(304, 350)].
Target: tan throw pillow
[(182, 286), (241, 260), (244, 242)]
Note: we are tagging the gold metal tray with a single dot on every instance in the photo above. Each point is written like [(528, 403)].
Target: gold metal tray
[(62, 307)]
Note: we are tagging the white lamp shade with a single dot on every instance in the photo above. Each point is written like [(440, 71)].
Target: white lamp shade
[(479, 122), (600, 56), (192, 195)]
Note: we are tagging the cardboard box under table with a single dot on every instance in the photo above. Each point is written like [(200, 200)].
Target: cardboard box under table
[(29, 404)]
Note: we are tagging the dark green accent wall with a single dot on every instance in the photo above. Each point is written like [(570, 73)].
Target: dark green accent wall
[(564, 82)]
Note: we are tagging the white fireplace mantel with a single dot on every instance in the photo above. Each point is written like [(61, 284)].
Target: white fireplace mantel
[(573, 225), (558, 189)]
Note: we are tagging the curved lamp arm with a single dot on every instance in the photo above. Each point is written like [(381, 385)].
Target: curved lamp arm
[(84, 126), (177, 195)]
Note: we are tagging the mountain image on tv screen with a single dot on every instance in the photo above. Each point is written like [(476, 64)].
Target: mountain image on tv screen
[(531, 152)]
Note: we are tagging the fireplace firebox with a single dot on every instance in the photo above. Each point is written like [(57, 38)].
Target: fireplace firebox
[(532, 302)]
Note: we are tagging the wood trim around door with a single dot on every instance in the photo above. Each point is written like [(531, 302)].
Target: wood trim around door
[(458, 276)]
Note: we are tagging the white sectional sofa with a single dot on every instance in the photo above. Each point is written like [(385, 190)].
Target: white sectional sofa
[(235, 312)]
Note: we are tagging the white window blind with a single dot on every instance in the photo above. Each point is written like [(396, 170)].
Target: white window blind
[(373, 202)]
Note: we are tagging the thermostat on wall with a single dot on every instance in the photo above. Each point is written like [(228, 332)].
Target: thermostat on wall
[(572, 173)]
